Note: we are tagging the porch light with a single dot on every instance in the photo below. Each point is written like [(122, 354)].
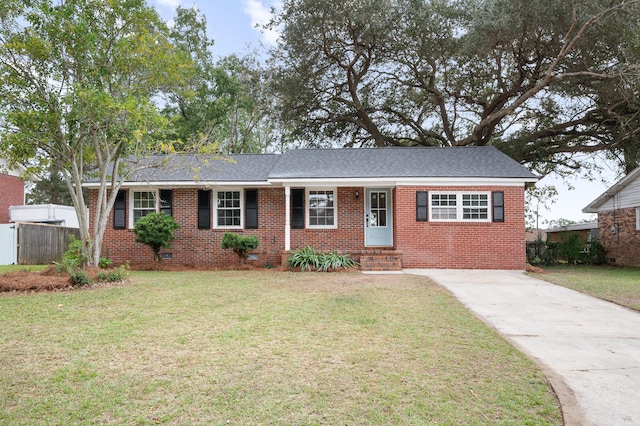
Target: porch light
[(357, 194)]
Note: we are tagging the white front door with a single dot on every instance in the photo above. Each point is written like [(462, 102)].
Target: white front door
[(378, 218)]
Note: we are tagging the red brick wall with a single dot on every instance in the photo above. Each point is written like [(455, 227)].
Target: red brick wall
[(194, 246), (623, 247), (423, 244), (11, 194), (349, 235), (470, 245)]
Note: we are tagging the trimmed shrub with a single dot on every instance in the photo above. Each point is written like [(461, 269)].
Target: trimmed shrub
[(240, 244), (156, 230)]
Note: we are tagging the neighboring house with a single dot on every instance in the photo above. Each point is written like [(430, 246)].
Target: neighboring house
[(389, 208), (618, 210), (11, 191), (585, 232)]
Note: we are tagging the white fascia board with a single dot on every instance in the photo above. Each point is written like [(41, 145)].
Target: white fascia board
[(465, 181), (180, 184), (386, 182), (333, 182)]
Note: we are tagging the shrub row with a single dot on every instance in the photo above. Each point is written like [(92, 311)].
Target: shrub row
[(307, 259)]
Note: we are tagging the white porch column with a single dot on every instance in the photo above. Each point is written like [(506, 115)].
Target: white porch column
[(287, 218)]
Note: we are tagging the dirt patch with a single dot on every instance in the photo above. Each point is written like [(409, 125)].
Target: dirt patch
[(535, 269), (47, 280), (25, 281)]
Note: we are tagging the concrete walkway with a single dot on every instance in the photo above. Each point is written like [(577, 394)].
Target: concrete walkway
[(588, 348)]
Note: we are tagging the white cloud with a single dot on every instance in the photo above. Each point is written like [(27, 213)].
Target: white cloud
[(169, 3), (260, 15)]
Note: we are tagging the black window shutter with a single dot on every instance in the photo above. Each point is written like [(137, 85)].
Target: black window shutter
[(297, 208), (166, 201), (204, 209), (422, 203), (497, 199), (251, 209), (120, 211)]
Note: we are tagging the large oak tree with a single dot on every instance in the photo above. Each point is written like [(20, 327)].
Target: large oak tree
[(542, 80)]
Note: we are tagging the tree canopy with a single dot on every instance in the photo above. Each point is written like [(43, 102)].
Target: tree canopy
[(541, 80), (78, 80)]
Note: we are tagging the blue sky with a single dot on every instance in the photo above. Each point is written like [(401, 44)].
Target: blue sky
[(232, 26), (231, 23)]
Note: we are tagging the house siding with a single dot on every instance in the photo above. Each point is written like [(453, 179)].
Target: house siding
[(461, 245), (623, 246), (11, 194)]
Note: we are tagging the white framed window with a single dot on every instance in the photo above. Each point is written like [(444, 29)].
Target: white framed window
[(460, 206), (228, 209), (141, 204), (322, 208), (444, 206), (637, 218)]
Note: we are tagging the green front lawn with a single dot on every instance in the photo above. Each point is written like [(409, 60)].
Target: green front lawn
[(615, 284), (14, 268), (270, 347)]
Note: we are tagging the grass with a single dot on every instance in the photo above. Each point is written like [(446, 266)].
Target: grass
[(261, 348), (14, 268), (615, 284)]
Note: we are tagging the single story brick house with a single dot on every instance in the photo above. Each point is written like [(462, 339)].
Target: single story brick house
[(618, 210), (460, 207)]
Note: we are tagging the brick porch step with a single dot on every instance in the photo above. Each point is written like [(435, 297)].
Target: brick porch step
[(381, 261)]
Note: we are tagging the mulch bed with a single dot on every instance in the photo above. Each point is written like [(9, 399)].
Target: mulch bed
[(52, 280), (26, 281)]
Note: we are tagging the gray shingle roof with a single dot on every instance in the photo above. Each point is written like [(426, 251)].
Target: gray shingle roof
[(454, 162), (190, 168), (354, 163)]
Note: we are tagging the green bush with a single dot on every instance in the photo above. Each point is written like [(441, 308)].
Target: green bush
[(307, 259), (73, 257), (156, 230), (595, 253), (240, 244), (67, 264), (79, 277), (571, 249), (113, 275), (104, 262), (72, 262)]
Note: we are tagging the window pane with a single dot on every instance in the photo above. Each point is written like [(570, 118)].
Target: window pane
[(144, 202), (444, 213), (383, 218), (229, 209), (321, 208)]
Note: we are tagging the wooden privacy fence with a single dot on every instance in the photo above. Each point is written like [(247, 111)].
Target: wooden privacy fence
[(40, 244)]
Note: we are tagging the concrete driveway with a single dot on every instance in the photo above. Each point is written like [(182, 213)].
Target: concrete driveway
[(589, 349)]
